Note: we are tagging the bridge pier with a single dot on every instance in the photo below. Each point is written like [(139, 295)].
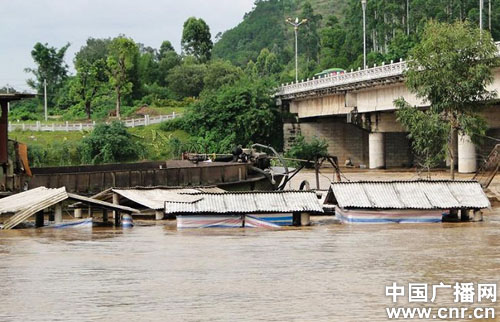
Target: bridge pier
[(466, 154), (376, 153)]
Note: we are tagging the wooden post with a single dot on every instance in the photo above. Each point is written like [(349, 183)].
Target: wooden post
[(78, 213), (105, 215), (39, 219), (90, 212), (316, 170), (296, 219), (116, 201), (117, 218), (159, 214), (58, 213)]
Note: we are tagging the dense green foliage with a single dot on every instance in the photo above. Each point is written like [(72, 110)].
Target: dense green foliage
[(304, 150), (234, 114), (196, 39), (110, 143), (451, 69), (51, 69), (333, 36)]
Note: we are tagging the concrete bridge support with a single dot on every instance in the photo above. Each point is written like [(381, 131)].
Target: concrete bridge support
[(376, 153), (466, 154)]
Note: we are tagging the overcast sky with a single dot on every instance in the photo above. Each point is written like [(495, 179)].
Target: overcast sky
[(56, 22)]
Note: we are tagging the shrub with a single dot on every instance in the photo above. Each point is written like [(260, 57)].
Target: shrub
[(301, 149), (110, 143)]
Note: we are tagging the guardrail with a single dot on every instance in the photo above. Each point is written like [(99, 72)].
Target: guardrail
[(68, 126), (376, 72)]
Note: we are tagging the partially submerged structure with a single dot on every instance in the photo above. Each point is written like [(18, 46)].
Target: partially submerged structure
[(405, 201), (44, 201), (151, 200), (244, 209)]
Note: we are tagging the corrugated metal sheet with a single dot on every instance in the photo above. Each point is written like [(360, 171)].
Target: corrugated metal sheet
[(421, 194), (155, 198), (248, 203), (26, 204), (22, 200)]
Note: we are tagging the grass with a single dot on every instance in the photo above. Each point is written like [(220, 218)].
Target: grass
[(158, 144)]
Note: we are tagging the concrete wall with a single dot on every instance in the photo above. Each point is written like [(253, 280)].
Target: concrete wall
[(382, 98), (320, 106), (398, 151), (344, 140)]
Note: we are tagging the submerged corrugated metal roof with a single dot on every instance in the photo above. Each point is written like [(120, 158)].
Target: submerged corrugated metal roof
[(421, 194), (248, 202), (154, 198), (25, 199)]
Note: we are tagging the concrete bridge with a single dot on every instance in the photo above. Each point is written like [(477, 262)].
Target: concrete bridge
[(355, 113)]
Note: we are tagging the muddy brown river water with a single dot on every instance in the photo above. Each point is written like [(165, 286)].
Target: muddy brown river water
[(326, 272)]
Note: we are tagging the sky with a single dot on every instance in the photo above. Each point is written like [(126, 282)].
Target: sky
[(57, 22)]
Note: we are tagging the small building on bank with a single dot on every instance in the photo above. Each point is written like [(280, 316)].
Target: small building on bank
[(421, 201), (244, 209)]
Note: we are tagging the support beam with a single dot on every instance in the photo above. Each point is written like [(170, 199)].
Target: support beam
[(39, 219), (376, 153), (116, 201), (78, 213), (466, 154), (58, 213), (104, 215)]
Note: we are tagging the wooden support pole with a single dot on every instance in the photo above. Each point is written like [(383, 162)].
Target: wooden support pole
[(39, 219), (90, 212), (117, 218), (116, 201), (78, 213), (104, 215), (159, 214), (58, 213)]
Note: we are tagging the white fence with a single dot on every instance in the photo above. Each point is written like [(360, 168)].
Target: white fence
[(66, 127)]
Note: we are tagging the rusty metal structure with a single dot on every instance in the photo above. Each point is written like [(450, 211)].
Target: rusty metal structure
[(7, 179), (92, 179)]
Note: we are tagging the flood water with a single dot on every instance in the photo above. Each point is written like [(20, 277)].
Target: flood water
[(327, 272)]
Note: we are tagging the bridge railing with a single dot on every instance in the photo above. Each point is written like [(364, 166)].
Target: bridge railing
[(376, 72), (393, 69), (67, 126)]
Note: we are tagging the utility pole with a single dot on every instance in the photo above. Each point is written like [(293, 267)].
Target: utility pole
[(489, 15), (481, 3), (45, 97), (8, 103), (408, 17), (296, 25), (363, 5)]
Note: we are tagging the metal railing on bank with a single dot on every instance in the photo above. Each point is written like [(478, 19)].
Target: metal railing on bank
[(80, 126)]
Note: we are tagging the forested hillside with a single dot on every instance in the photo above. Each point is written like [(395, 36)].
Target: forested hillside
[(333, 35)]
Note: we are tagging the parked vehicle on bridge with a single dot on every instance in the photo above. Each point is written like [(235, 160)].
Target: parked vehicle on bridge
[(329, 72)]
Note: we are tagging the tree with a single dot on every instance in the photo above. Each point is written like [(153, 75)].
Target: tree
[(186, 80), (91, 73), (50, 68), (238, 114), (110, 143), (450, 69), (123, 54), (221, 73), (196, 39), (309, 43)]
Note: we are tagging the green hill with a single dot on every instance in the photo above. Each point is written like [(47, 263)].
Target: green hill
[(265, 27)]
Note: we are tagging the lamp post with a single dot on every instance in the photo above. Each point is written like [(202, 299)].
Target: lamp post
[(296, 25), (363, 5), (481, 3)]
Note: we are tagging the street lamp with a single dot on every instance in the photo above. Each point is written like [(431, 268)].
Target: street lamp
[(296, 25), (363, 5)]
